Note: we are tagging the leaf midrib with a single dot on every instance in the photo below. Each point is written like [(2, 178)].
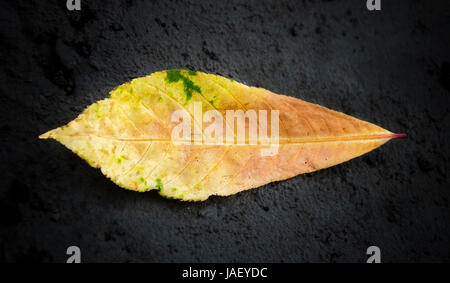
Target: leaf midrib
[(281, 140)]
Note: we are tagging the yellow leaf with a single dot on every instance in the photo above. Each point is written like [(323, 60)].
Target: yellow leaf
[(130, 136)]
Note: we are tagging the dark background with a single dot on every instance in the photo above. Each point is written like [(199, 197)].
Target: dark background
[(389, 67)]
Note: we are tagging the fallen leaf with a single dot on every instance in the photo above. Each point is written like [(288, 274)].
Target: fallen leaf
[(129, 136)]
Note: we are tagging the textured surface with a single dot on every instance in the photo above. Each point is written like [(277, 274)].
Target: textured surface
[(390, 68)]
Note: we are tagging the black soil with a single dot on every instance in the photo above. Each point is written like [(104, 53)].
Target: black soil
[(390, 67)]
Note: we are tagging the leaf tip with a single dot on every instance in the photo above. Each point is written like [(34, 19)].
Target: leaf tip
[(396, 136), (47, 135)]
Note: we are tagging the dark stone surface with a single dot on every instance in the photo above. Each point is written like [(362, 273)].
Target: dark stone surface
[(390, 68)]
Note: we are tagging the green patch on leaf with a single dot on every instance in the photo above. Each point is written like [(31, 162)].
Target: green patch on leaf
[(173, 76), (98, 115), (120, 158), (213, 100), (191, 73), (142, 180), (159, 184)]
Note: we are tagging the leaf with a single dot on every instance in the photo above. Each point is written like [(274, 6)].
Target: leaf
[(129, 136)]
